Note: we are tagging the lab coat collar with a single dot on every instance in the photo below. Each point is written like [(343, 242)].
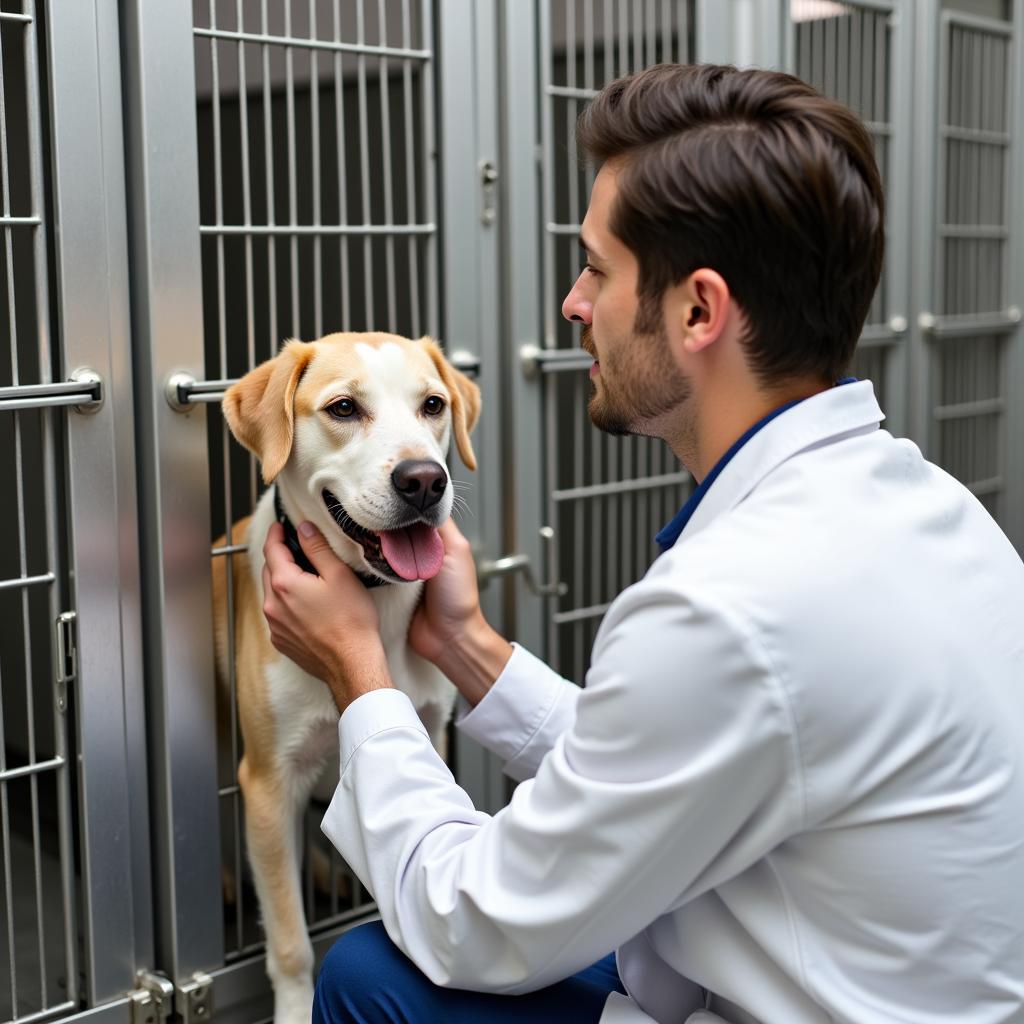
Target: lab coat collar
[(847, 407)]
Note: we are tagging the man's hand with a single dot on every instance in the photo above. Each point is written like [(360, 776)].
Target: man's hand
[(449, 629), (327, 624), (451, 600)]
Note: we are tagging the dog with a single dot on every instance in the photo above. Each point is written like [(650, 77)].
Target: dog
[(351, 432)]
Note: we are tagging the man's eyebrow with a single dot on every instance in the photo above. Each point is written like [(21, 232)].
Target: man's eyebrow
[(588, 248)]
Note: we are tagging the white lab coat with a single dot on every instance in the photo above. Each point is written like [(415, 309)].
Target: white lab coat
[(792, 790)]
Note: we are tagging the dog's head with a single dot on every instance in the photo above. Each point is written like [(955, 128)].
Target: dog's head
[(355, 428)]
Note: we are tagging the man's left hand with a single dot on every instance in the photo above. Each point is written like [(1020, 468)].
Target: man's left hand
[(327, 624)]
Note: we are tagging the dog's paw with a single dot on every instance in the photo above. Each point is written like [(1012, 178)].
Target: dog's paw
[(293, 1001)]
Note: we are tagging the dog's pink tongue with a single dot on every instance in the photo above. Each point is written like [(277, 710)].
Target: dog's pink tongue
[(415, 553)]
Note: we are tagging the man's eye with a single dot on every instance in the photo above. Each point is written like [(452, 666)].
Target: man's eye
[(591, 269), (433, 406), (342, 409)]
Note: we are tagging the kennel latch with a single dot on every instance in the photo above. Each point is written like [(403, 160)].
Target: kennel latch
[(83, 392), (153, 1000), (67, 656), (535, 360), (488, 568)]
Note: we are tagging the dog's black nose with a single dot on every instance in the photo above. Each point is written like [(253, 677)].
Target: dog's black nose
[(420, 482)]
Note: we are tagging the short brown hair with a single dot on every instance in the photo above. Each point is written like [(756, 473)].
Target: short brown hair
[(754, 174)]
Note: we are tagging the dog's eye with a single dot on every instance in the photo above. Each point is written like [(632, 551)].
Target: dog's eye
[(433, 406), (342, 409)]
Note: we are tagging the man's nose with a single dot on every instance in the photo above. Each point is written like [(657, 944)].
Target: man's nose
[(420, 482), (577, 305)]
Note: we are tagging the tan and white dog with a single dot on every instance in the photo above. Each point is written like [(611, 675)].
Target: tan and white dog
[(352, 432)]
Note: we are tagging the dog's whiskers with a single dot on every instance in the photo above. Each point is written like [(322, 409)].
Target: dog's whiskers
[(461, 507)]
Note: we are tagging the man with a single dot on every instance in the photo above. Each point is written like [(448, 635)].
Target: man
[(792, 788)]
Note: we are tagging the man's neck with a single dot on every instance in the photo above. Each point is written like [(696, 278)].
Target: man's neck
[(711, 423)]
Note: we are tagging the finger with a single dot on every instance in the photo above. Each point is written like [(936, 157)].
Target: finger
[(318, 551), (451, 535), (276, 553), (268, 594)]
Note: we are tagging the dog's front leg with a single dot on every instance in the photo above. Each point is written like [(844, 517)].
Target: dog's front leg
[(272, 807)]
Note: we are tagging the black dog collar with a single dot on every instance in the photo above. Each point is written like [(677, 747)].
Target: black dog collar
[(291, 538)]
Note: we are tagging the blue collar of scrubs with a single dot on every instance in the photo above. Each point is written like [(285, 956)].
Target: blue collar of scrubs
[(670, 533)]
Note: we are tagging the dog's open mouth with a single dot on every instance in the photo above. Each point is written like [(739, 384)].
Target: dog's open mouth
[(412, 552)]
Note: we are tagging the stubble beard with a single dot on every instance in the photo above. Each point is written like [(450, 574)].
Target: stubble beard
[(637, 385)]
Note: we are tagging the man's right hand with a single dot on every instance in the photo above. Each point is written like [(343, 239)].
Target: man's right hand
[(448, 627)]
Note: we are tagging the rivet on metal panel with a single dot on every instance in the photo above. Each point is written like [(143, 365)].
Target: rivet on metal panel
[(1013, 314), (926, 321), (195, 999), (897, 324)]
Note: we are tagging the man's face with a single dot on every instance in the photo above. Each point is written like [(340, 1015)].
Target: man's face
[(635, 380)]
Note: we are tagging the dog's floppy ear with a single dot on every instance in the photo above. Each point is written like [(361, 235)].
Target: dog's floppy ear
[(465, 400), (260, 408)]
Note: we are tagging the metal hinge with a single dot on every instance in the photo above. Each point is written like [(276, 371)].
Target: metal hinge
[(153, 1000), (194, 999), (67, 657)]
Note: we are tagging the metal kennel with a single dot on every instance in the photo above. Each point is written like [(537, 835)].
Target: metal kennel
[(183, 186)]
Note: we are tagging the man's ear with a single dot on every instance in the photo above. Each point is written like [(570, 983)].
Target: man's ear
[(465, 400), (702, 303), (260, 408)]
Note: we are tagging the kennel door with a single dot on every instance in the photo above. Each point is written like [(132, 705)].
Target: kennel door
[(284, 183), (587, 505), (862, 54), (74, 861)]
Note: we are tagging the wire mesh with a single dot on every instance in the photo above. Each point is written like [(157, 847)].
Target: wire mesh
[(598, 486), (316, 141), (38, 972)]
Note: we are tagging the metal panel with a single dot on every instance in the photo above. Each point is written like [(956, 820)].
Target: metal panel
[(173, 487), (1013, 511), (93, 311), (471, 180), (746, 33), (521, 297)]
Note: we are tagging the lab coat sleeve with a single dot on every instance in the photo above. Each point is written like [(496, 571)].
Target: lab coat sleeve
[(679, 770), (523, 714)]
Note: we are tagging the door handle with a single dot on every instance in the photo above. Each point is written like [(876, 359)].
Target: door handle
[(488, 568)]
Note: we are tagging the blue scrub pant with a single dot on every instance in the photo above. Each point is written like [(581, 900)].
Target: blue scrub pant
[(366, 979)]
